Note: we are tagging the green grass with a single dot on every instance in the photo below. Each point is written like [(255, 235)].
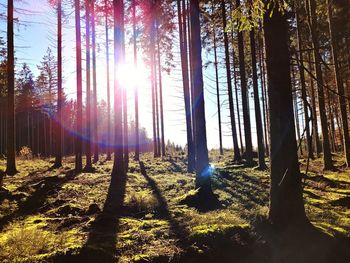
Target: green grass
[(154, 222)]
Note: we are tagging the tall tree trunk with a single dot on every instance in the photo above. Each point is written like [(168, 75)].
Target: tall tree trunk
[(186, 88), (286, 197), (237, 154), (303, 88), (94, 77), (259, 127), (137, 139), (88, 85), (340, 86), (11, 127), (217, 85), (58, 130), (244, 90), (118, 13), (78, 144), (160, 96), (316, 137), (156, 96), (109, 155), (327, 156), (202, 160)]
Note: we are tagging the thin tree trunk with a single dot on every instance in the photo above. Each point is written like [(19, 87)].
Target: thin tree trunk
[(88, 86), (237, 154), (303, 88), (217, 86), (340, 87), (137, 139), (327, 156), (186, 88), (286, 196), (156, 98), (259, 127), (11, 127), (161, 97), (244, 90), (78, 142), (109, 141), (93, 32), (58, 132)]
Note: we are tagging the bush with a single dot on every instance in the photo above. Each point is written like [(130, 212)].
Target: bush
[(26, 153)]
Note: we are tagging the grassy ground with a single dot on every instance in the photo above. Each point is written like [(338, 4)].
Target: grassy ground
[(57, 216)]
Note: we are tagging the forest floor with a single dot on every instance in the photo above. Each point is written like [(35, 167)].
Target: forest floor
[(56, 215)]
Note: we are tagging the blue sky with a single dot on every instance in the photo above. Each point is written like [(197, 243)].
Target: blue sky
[(36, 32)]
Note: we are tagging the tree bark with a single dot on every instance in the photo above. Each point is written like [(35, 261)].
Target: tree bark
[(109, 157), (11, 127), (202, 160), (286, 199), (137, 139)]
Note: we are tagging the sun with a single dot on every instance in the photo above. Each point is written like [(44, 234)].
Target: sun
[(131, 76)]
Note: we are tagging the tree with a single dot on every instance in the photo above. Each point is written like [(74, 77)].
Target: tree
[(286, 199), (202, 160), (118, 13), (259, 128), (312, 22), (79, 113), (88, 85), (59, 130), (11, 142), (244, 90), (109, 157), (185, 81), (339, 84), (237, 154)]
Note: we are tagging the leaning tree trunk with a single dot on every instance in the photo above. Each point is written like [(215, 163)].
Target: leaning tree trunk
[(237, 154), (340, 86), (11, 129), (78, 144), (202, 160), (59, 130), (286, 197), (118, 166)]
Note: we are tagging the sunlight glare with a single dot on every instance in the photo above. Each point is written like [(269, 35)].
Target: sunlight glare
[(131, 76)]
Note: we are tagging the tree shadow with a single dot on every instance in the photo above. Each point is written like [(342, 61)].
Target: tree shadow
[(102, 238), (36, 202), (297, 244)]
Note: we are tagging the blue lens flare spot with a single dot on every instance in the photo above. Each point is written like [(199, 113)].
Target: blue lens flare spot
[(209, 171)]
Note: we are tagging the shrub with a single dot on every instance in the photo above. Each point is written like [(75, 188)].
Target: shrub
[(26, 153)]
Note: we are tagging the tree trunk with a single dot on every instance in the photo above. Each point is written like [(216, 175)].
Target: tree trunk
[(58, 132), (202, 161), (78, 144), (327, 156), (217, 86), (286, 197), (11, 127), (244, 90), (88, 85), (259, 127), (340, 86), (303, 88), (137, 139), (237, 154), (109, 141), (93, 26), (186, 88), (118, 167)]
